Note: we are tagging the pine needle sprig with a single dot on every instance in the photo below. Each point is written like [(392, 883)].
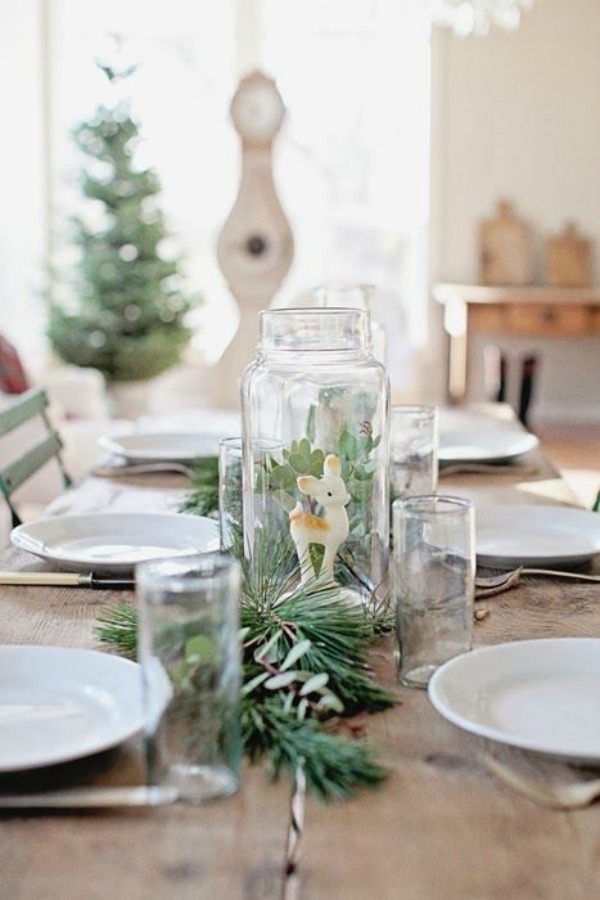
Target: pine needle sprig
[(270, 572), (203, 499), (304, 660), (335, 767), (333, 637), (377, 601), (117, 625), (285, 709)]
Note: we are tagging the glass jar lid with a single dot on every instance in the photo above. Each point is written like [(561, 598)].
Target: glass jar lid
[(302, 329), (339, 294)]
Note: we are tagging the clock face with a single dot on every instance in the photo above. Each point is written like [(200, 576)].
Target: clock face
[(257, 108)]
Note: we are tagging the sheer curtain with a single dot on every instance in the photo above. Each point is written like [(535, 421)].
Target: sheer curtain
[(23, 210), (355, 161), (352, 162)]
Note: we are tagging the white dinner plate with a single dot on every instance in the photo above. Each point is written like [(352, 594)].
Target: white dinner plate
[(541, 695), (115, 542), (58, 704), (492, 446), (162, 446), (508, 536), (468, 419)]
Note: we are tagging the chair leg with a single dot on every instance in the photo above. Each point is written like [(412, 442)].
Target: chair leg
[(15, 519), (66, 478), (14, 516), (528, 367)]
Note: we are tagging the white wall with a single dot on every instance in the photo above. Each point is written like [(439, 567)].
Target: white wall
[(517, 115), (351, 161), (22, 211)]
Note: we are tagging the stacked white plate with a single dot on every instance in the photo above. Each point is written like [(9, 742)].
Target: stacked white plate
[(546, 536), (58, 704), (146, 447), (540, 695), (115, 542)]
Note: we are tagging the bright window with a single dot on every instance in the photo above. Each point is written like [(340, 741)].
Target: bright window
[(351, 163)]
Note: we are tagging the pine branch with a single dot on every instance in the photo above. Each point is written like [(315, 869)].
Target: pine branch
[(333, 636), (271, 571), (204, 496), (286, 723), (117, 625), (335, 767), (304, 650)]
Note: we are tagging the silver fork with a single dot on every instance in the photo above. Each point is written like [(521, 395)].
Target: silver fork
[(545, 782), (108, 471), (487, 585), (486, 468)]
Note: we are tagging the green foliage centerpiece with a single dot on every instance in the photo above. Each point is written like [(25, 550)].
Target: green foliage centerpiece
[(127, 318), (313, 544), (304, 647)]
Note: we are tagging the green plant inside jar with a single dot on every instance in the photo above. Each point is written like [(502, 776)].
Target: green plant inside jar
[(355, 454)]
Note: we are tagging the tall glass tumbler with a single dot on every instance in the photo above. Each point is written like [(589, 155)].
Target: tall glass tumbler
[(230, 491), (434, 568), (266, 455), (413, 450), (190, 657)]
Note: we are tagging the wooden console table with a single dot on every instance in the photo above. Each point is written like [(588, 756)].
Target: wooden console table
[(541, 312)]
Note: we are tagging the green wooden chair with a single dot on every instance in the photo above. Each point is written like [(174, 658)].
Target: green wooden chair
[(31, 456)]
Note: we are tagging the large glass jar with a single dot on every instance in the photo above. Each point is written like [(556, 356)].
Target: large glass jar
[(316, 390)]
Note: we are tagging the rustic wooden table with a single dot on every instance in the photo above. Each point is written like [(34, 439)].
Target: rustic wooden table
[(440, 827)]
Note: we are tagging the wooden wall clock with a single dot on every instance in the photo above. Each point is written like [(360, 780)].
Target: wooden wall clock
[(255, 247)]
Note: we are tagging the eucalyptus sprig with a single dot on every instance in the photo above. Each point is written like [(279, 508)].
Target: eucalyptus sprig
[(354, 452)]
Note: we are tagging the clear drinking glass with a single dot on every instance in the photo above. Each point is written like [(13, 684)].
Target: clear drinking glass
[(190, 657), (230, 490), (414, 443), (434, 568)]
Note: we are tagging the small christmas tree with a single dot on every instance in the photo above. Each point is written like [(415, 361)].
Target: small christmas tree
[(128, 319)]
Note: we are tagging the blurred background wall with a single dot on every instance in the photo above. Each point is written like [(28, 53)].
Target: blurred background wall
[(399, 139)]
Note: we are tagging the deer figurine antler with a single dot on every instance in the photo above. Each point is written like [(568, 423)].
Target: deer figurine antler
[(329, 530)]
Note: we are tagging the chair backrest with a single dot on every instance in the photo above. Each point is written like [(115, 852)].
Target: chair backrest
[(31, 456)]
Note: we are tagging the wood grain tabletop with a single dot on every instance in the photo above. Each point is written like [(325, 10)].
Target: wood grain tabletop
[(439, 827)]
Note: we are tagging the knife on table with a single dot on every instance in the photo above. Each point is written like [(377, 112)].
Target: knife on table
[(70, 579), (93, 797)]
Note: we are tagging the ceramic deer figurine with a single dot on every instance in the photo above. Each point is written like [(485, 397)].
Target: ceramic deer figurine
[(329, 530)]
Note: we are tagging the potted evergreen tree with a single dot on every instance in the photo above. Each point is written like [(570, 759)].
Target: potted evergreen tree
[(128, 316)]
